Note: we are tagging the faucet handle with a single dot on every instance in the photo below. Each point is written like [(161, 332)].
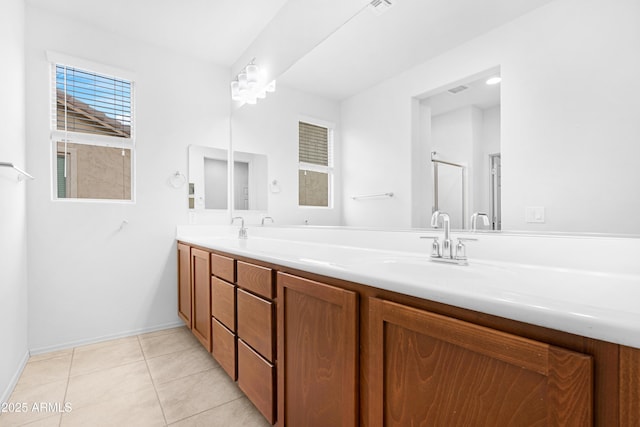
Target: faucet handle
[(436, 251), (461, 249)]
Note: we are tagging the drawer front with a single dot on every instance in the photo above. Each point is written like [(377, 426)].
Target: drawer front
[(223, 267), (256, 378), (256, 323), (223, 302), (224, 348), (256, 279)]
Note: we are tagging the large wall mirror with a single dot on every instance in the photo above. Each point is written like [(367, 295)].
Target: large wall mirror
[(562, 135)]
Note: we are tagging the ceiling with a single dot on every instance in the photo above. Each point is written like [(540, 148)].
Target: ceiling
[(212, 30), (361, 53), (371, 48)]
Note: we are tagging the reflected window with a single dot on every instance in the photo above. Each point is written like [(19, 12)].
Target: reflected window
[(315, 167)]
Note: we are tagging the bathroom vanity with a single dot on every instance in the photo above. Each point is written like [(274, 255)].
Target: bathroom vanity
[(326, 334)]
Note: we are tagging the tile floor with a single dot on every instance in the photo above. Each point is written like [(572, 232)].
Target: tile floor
[(163, 378)]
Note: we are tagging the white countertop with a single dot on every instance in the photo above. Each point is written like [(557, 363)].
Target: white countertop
[(599, 304)]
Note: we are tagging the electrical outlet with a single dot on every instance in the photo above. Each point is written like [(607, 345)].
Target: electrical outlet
[(534, 214)]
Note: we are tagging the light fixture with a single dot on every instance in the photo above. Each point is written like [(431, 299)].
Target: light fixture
[(251, 84), (494, 80)]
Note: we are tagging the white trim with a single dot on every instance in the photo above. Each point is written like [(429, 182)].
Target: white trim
[(92, 139), (6, 393), (85, 64), (317, 122), (102, 338)]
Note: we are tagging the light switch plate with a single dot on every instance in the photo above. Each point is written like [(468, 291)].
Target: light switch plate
[(534, 214)]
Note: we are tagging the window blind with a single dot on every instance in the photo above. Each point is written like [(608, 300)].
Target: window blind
[(91, 103), (314, 144)]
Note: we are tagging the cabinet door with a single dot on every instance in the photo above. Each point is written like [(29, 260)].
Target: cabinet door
[(427, 369), (223, 302), (317, 354), (201, 300), (223, 348), (256, 379), (184, 283), (255, 323)]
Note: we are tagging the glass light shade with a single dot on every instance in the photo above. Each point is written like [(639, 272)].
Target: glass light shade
[(242, 82), (235, 91), (253, 72)]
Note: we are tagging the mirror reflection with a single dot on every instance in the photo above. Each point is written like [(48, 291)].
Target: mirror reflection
[(463, 137), (209, 181), (249, 181), (208, 178), (564, 148)]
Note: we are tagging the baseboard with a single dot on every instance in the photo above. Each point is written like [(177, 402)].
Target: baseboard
[(124, 334), (6, 393)]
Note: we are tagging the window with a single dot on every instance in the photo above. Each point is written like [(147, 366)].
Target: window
[(315, 170), (92, 135)]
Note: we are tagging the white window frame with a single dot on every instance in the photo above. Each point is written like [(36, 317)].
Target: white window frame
[(329, 170), (55, 58)]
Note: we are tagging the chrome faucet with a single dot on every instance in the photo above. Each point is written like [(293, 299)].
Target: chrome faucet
[(445, 252), (474, 220), (266, 217), (242, 233)]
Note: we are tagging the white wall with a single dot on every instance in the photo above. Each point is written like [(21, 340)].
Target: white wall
[(13, 223), (271, 127), (89, 279), (569, 97)]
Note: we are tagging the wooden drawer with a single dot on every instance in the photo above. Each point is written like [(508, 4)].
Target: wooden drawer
[(256, 378), (223, 267), (224, 348), (256, 279), (223, 302), (256, 323)]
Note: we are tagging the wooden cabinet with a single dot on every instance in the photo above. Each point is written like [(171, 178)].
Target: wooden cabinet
[(429, 369), (256, 279), (201, 297), (312, 351), (184, 283), (317, 354), (194, 299), (223, 312), (223, 347), (256, 337), (256, 324), (223, 302), (256, 378)]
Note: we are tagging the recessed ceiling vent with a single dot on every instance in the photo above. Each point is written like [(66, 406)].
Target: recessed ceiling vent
[(458, 89), (380, 6)]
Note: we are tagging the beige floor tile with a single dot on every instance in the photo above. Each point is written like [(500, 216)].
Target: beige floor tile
[(139, 409), (180, 364), (50, 355), (100, 356), (168, 343), (191, 395), (50, 393), (44, 371), (52, 421), (237, 413), (107, 384)]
